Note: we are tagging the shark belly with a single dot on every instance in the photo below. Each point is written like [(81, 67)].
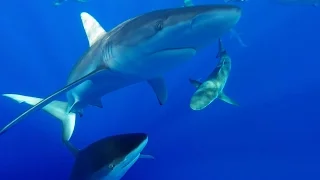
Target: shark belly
[(151, 65)]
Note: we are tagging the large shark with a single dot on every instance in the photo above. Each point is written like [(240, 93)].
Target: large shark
[(108, 158), (213, 86), (140, 49)]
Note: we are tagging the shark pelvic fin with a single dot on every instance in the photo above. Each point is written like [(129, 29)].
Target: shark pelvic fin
[(42, 103), (226, 99), (196, 83), (145, 156), (56, 108), (159, 87), (93, 29)]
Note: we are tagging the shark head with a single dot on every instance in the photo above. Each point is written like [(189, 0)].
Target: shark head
[(110, 157), (166, 38)]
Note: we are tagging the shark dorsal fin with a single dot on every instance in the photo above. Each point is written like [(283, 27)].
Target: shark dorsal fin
[(92, 28)]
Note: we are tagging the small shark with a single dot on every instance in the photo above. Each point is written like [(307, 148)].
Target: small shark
[(141, 49), (187, 3), (314, 3), (59, 2), (213, 86), (109, 158), (228, 1)]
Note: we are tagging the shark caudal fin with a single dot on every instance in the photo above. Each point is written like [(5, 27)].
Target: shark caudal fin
[(43, 102), (56, 108)]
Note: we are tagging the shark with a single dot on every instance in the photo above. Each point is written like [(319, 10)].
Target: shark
[(212, 87), (60, 2), (314, 3), (108, 158), (187, 3), (141, 49), (228, 1)]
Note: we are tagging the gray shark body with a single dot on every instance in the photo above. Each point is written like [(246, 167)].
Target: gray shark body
[(140, 49), (213, 86), (108, 158)]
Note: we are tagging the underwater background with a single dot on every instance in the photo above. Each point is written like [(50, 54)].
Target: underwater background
[(273, 134)]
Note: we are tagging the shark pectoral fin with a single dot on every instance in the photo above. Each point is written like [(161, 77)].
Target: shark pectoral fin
[(71, 148), (42, 103), (56, 108), (196, 83), (226, 99), (97, 103), (159, 87), (145, 156), (92, 28)]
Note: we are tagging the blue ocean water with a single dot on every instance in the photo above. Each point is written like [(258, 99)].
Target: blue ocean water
[(273, 134)]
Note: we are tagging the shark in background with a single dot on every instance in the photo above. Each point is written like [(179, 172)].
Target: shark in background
[(60, 2), (109, 158), (231, 1), (141, 49), (212, 88), (314, 3)]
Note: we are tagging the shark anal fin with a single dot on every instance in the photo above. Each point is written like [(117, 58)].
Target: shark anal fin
[(159, 87), (71, 148), (93, 29), (195, 83), (50, 98), (145, 156), (97, 103), (226, 99)]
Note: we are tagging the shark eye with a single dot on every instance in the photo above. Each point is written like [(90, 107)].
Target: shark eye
[(159, 25)]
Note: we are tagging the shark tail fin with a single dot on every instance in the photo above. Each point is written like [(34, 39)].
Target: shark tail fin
[(226, 99), (56, 108)]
